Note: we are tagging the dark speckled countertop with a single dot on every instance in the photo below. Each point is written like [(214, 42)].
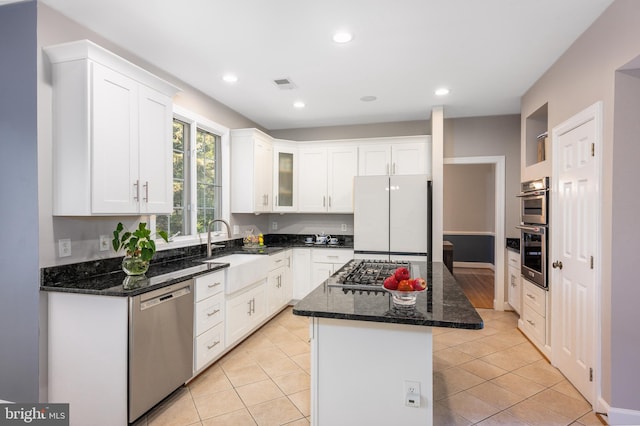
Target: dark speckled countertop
[(105, 277), (443, 304)]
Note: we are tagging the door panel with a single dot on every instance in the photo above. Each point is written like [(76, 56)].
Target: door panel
[(574, 229)]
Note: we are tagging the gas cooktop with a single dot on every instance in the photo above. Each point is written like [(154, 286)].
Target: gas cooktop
[(366, 275)]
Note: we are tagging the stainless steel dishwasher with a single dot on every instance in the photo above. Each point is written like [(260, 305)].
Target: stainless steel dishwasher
[(160, 345)]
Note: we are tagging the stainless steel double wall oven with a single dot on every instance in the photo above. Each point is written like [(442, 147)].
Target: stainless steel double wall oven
[(534, 230)]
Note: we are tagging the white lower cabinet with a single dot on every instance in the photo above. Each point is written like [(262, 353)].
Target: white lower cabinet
[(245, 310), (514, 291), (279, 281), (533, 318), (325, 262), (208, 319)]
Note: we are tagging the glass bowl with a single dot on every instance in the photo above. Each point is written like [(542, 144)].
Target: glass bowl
[(404, 298)]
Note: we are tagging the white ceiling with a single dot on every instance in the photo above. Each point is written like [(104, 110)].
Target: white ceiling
[(488, 52)]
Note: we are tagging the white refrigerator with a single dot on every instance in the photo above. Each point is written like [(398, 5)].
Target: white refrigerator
[(392, 217)]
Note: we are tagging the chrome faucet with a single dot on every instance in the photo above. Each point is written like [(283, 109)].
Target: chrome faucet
[(209, 233)]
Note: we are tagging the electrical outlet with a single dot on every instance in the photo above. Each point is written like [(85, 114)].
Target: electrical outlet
[(343, 228), (105, 242), (274, 225), (64, 247), (412, 394)]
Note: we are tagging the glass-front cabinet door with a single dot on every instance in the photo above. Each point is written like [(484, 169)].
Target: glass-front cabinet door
[(284, 179)]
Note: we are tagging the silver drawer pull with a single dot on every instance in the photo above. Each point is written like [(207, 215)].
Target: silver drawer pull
[(531, 297), (333, 256), (532, 323), (213, 285), (215, 311), (216, 343)]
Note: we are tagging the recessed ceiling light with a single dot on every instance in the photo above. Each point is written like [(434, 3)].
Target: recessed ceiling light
[(342, 37), (298, 104), (443, 91), (368, 98), (230, 78)]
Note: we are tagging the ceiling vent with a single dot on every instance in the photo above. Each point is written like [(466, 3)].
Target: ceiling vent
[(284, 84)]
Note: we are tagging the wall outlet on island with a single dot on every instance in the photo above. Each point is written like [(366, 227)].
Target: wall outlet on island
[(412, 394)]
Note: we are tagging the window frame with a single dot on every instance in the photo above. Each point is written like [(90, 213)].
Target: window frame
[(195, 122)]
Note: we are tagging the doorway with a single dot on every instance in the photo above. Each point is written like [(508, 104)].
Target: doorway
[(498, 164)]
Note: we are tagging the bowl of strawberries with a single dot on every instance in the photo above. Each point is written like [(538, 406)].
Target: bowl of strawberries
[(404, 289)]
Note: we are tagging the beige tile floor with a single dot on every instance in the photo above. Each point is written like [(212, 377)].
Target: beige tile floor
[(492, 376)]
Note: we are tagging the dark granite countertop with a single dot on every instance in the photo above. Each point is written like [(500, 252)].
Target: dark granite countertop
[(443, 304), (106, 278)]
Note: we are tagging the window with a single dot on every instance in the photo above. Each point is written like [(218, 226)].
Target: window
[(197, 176)]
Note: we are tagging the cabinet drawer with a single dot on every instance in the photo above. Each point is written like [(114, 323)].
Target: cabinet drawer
[(209, 312), (280, 259), (209, 345), (326, 255), (208, 285), (534, 324), (535, 297), (513, 259)]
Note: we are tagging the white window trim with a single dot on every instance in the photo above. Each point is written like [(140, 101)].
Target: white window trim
[(196, 121)]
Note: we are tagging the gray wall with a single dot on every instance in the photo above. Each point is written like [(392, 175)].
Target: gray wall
[(583, 75), (84, 233), (375, 130), (469, 206), (490, 136), (19, 295)]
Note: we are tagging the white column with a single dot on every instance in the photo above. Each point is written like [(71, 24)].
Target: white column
[(437, 154)]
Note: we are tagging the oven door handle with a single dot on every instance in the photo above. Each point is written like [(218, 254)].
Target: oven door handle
[(528, 228), (531, 194)]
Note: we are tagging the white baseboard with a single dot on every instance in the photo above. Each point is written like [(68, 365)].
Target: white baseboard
[(602, 406), (474, 265), (622, 416)]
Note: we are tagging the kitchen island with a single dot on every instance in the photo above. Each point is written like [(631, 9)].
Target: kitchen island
[(368, 354)]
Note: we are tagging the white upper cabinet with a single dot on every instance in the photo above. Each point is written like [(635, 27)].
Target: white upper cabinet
[(285, 170), (395, 156), (251, 171), (111, 134), (325, 180)]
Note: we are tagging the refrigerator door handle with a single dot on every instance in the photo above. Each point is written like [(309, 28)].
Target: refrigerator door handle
[(324, 201)]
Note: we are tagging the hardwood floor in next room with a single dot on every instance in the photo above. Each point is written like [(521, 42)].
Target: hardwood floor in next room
[(477, 284)]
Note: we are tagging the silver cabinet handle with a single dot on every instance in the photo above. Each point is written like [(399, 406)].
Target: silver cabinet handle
[(215, 311), (146, 191), (249, 308), (531, 322), (530, 296), (253, 305), (216, 343), (324, 201), (213, 285), (137, 185), (329, 200)]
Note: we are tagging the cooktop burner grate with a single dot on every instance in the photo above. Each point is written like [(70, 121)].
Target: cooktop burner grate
[(366, 274)]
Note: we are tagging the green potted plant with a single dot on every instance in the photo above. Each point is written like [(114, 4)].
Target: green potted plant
[(138, 245)]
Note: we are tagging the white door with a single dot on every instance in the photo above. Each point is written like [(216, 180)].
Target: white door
[(574, 230), (342, 166), (312, 180), (374, 160), (408, 159), (156, 168), (114, 118)]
